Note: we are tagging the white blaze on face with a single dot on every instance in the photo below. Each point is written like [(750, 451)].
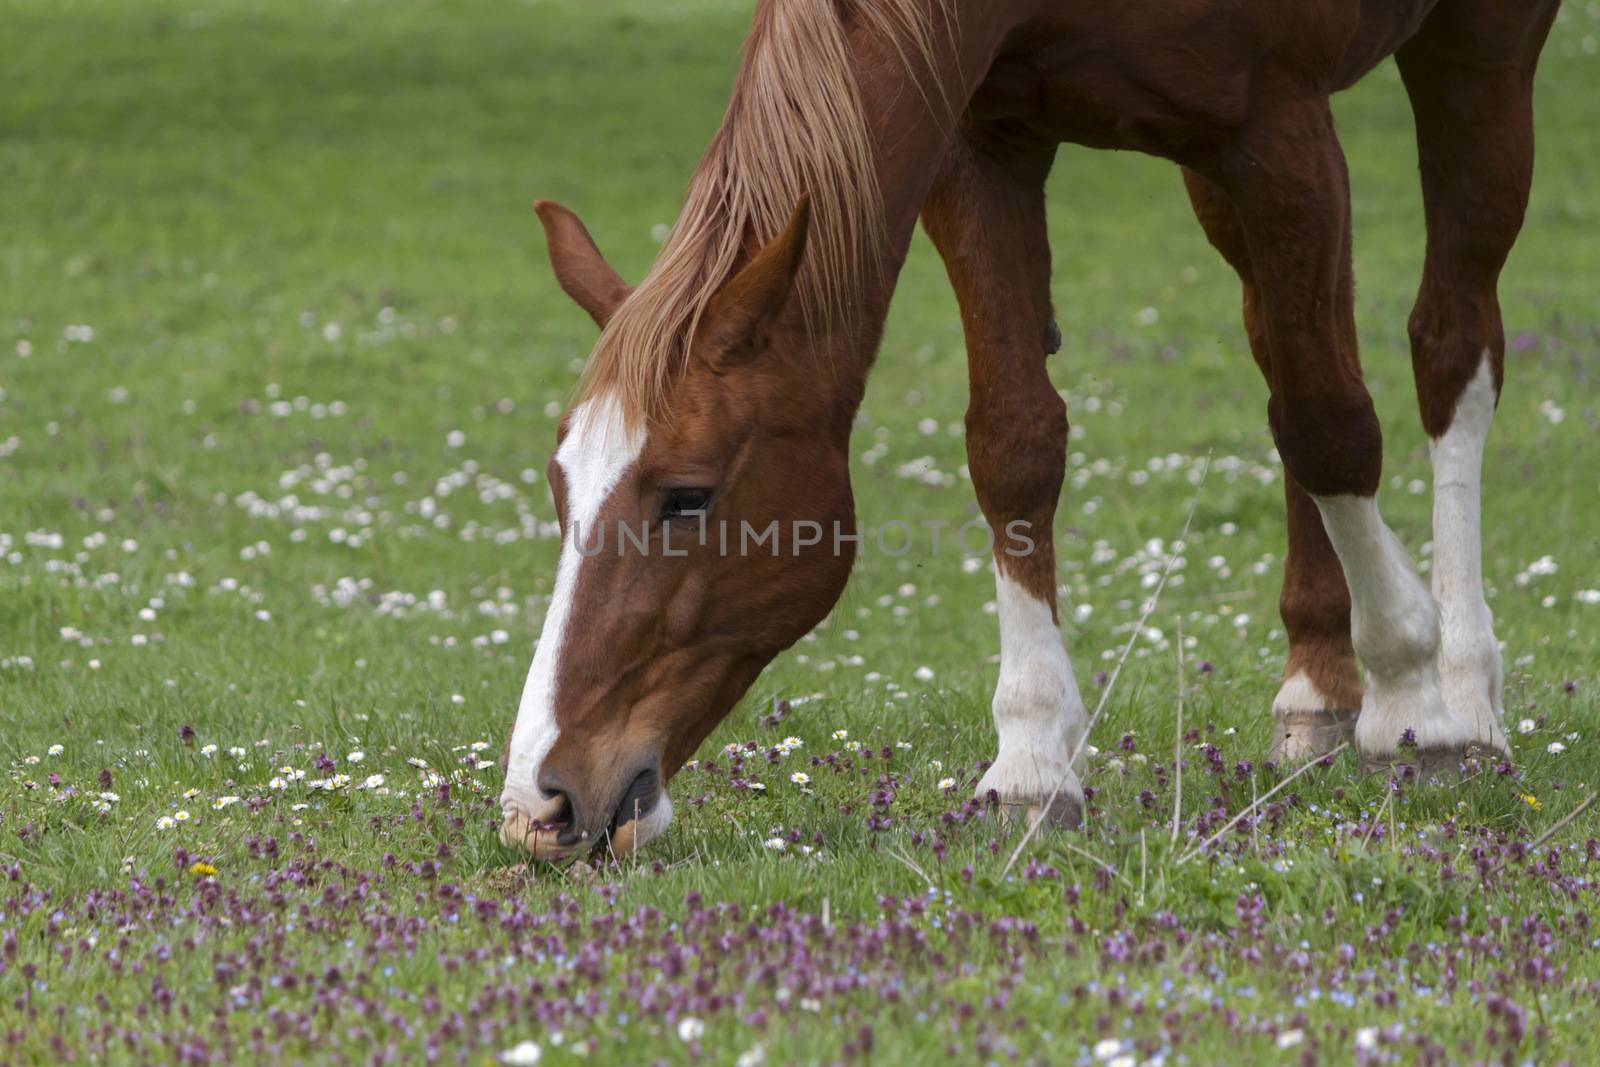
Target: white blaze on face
[(599, 447)]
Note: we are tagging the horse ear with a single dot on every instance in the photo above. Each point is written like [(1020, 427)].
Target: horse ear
[(581, 271), (752, 298)]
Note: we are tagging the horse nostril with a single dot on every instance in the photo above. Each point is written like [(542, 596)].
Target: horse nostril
[(565, 820), (564, 816)]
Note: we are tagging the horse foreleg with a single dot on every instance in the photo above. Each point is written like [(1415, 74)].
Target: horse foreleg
[(986, 215)]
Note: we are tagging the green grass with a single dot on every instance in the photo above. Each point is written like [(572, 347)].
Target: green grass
[(254, 203)]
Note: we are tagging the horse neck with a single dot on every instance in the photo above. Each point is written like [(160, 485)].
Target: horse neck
[(912, 119)]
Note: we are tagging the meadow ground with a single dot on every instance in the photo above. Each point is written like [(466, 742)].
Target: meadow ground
[(280, 361)]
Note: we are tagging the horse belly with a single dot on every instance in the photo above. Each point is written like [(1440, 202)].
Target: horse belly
[(1151, 99), (1167, 77), (1174, 78)]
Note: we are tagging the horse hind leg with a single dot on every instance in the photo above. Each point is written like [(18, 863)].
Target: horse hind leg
[(986, 215), (1287, 180), (1469, 74), (1316, 707)]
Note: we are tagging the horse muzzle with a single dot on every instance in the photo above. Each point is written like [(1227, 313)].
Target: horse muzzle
[(567, 819)]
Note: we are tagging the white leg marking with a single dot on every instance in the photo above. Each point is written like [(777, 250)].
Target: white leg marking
[(1469, 656), (1038, 712), (1299, 693), (598, 448), (1395, 627)]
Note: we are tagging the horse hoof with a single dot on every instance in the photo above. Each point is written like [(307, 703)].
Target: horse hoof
[(1065, 812), (1444, 763), (1302, 736)]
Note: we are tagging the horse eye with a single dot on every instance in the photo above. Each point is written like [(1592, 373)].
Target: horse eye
[(681, 502)]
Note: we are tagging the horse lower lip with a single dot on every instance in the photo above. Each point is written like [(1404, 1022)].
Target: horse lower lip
[(532, 834)]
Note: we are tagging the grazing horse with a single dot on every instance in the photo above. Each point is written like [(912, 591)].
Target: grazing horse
[(723, 386)]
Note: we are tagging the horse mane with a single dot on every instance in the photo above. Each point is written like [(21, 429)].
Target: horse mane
[(795, 124)]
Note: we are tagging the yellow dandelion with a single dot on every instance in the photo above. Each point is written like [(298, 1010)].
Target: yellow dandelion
[(1530, 800), (202, 869)]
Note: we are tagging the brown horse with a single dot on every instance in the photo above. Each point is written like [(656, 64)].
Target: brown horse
[(721, 392)]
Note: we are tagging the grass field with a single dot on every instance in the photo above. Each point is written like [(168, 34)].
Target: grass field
[(280, 356)]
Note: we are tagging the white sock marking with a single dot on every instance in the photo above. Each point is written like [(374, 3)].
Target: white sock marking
[(1299, 693), (1038, 711), (599, 447), (1469, 656), (1395, 627)]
